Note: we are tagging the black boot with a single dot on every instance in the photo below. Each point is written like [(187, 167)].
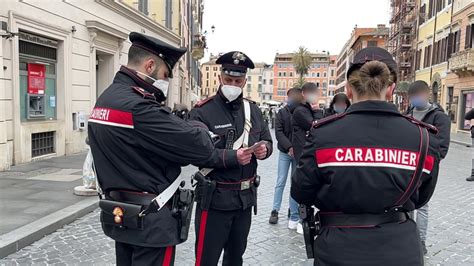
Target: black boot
[(273, 217), (471, 178)]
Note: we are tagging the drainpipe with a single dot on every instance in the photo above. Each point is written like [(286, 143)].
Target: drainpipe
[(432, 46)]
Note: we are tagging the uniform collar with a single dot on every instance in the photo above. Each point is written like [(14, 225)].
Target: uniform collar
[(128, 76), (373, 106)]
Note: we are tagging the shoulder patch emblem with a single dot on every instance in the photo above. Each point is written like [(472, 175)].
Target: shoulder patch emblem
[(144, 93), (203, 102)]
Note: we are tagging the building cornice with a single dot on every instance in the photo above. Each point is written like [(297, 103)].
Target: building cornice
[(94, 25), (142, 20)]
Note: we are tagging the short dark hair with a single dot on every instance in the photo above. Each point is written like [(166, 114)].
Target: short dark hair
[(418, 86), (136, 55), (293, 90), (340, 97), (309, 86)]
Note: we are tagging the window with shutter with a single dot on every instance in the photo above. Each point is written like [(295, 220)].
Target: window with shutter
[(472, 36), (431, 9), (422, 14), (457, 41), (468, 41), (449, 49)]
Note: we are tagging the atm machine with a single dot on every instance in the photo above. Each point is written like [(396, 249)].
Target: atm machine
[(35, 106)]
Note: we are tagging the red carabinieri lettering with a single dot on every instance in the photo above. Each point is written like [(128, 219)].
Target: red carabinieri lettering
[(371, 157), (111, 117)]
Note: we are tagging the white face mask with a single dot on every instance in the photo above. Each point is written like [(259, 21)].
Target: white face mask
[(231, 92), (161, 84), (311, 98)]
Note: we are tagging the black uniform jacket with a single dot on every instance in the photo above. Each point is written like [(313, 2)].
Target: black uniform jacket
[(362, 162), (436, 117), (302, 121), (140, 146), (283, 128), (219, 115)]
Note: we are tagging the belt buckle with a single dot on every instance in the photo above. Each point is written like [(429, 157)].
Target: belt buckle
[(245, 185)]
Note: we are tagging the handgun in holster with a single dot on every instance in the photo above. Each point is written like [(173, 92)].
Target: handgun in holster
[(204, 190), (182, 209), (310, 228)]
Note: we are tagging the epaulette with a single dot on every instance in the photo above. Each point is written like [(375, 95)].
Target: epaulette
[(328, 119), (430, 128), (203, 102), (144, 93), (250, 101)]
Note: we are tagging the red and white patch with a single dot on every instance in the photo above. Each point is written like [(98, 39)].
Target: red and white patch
[(371, 157), (111, 117)]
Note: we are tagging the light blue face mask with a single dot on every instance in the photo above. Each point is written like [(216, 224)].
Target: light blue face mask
[(418, 101), (339, 109)]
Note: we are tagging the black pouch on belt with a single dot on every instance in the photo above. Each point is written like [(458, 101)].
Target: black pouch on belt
[(120, 214)]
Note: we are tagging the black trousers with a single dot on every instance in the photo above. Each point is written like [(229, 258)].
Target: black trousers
[(221, 230), (128, 255)]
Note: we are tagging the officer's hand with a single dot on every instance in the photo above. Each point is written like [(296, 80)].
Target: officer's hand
[(244, 155), (261, 152), (291, 152), (314, 106)]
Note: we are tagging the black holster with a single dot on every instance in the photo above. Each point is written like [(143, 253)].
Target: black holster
[(182, 209), (204, 190), (310, 228)]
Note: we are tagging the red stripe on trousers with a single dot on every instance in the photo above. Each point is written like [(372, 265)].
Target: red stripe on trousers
[(168, 256), (202, 232)]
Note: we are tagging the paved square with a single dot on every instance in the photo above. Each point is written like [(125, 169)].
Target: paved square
[(450, 236)]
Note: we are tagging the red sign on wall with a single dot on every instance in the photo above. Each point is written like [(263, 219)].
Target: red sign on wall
[(36, 78)]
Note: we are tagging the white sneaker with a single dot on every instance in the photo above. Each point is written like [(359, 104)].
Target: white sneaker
[(299, 229), (292, 225)]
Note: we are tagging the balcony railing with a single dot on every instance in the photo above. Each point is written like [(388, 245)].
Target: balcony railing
[(462, 61)]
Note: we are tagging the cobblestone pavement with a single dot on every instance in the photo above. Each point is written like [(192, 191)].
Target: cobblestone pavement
[(450, 236)]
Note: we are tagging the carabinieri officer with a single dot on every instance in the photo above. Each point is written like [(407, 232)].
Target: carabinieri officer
[(139, 147), (365, 169), (226, 196)]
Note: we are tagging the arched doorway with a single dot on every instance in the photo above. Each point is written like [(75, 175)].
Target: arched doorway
[(435, 88), (434, 91)]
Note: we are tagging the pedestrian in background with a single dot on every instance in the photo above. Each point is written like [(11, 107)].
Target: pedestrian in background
[(286, 157), (352, 170), (303, 117), (338, 105), (430, 113), (470, 116), (181, 110)]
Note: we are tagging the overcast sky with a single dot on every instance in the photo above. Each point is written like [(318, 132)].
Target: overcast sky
[(260, 28)]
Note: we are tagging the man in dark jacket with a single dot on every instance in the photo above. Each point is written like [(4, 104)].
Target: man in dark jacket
[(470, 116), (139, 148), (283, 132), (429, 113), (303, 117), (223, 212)]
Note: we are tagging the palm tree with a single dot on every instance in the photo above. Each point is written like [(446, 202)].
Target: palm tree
[(302, 62)]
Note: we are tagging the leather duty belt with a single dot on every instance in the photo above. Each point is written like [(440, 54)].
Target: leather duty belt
[(363, 220), (240, 185)]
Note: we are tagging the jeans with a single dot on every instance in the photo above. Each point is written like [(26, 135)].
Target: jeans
[(284, 162), (422, 221)]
